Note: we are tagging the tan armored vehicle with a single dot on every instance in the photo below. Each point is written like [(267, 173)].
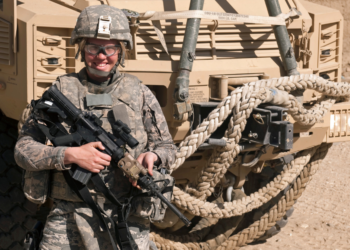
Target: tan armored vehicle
[(239, 171)]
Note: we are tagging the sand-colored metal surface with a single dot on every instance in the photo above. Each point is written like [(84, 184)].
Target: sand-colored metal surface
[(35, 32), (224, 49)]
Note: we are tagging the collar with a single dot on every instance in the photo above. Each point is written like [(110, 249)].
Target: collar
[(94, 87)]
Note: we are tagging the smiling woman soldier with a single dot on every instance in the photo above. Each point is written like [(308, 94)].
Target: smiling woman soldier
[(102, 34)]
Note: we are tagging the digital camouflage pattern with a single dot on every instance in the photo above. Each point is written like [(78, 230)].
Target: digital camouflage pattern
[(74, 226), (41, 181), (87, 24), (145, 119), (38, 157)]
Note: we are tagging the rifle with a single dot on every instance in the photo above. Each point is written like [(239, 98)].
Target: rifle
[(87, 128)]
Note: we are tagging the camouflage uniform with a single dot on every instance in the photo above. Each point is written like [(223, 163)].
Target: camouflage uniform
[(71, 224)]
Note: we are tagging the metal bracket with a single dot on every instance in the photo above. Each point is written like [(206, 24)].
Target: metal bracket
[(104, 25)]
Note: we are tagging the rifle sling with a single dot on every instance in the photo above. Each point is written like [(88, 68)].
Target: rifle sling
[(122, 233), (83, 192), (123, 212)]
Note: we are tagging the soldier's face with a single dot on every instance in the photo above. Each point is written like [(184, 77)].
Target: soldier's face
[(101, 61)]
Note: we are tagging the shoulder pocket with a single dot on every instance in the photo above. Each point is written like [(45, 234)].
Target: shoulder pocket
[(36, 185)]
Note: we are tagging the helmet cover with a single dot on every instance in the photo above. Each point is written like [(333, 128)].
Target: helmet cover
[(104, 22)]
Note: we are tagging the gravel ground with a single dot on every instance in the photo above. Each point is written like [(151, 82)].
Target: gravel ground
[(321, 218)]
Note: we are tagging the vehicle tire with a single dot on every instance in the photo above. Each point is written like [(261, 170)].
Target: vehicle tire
[(261, 180), (16, 212), (277, 228)]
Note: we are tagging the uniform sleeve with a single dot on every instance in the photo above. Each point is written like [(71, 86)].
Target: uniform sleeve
[(32, 154), (159, 140)]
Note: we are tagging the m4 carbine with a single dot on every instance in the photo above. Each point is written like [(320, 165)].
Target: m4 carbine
[(87, 128)]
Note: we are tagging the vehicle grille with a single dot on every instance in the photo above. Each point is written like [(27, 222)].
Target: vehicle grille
[(340, 123), (226, 41), (5, 43)]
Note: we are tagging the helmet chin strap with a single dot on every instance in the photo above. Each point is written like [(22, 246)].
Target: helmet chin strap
[(98, 72)]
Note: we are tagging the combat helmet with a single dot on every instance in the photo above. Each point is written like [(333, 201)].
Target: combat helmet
[(102, 22)]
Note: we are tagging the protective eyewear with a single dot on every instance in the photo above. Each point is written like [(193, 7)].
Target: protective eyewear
[(108, 50)]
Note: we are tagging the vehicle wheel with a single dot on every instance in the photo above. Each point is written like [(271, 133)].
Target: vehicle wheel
[(261, 179), (268, 219), (277, 228), (16, 212)]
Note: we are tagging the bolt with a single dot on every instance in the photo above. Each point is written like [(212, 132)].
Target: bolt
[(253, 135), (285, 116)]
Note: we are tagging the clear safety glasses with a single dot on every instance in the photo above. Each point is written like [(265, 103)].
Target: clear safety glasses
[(108, 50)]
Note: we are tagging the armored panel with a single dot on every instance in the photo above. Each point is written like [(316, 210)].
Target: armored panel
[(54, 55)]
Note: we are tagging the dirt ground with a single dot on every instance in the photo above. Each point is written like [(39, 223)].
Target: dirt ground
[(321, 219)]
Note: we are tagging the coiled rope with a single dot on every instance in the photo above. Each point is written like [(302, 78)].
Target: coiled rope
[(240, 103), (258, 228), (239, 100)]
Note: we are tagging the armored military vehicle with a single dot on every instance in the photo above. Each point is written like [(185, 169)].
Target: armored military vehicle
[(249, 90)]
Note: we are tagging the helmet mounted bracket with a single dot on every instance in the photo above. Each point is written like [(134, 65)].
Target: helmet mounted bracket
[(104, 24)]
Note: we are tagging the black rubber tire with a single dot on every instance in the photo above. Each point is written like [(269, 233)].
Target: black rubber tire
[(277, 228), (272, 173), (16, 212), (260, 180)]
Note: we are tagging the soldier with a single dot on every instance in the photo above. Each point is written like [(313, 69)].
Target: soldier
[(102, 34)]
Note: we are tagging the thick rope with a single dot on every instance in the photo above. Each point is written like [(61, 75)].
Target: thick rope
[(259, 227), (223, 157), (241, 102), (269, 219), (239, 95), (228, 209)]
